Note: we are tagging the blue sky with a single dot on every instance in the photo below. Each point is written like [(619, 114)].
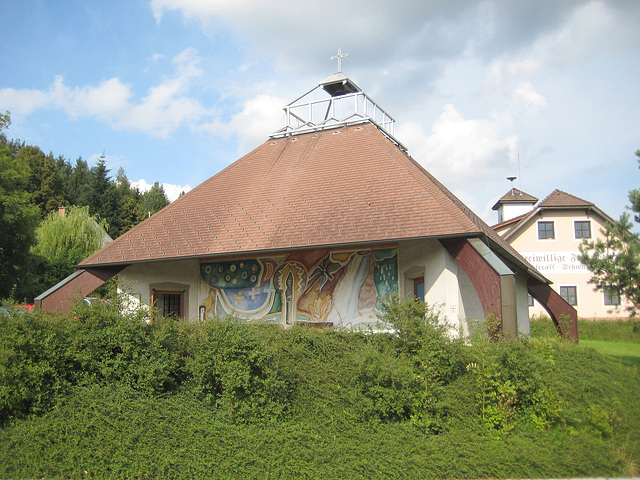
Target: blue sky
[(175, 90)]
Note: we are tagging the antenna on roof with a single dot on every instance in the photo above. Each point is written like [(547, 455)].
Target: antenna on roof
[(511, 179), (519, 172)]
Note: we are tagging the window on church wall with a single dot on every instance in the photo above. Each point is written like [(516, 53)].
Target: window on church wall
[(611, 297), (418, 288), (570, 294), (546, 231), (169, 303), (289, 311), (582, 229)]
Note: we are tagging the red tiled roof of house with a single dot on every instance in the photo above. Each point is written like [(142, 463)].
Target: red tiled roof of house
[(558, 198), (344, 186)]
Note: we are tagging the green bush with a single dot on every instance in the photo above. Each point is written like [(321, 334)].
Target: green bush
[(43, 356), (235, 369), (34, 367), (101, 395), (513, 383)]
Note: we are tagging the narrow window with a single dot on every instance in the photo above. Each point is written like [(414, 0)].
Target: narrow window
[(289, 311), (418, 288), (611, 297), (530, 300), (546, 231), (582, 228), (570, 294)]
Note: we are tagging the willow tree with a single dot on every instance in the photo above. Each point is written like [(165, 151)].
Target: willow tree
[(66, 238)]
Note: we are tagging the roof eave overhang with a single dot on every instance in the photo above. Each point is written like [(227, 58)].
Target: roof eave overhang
[(514, 260), (276, 250)]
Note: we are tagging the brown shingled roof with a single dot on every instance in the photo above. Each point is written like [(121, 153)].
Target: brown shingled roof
[(558, 198), (349, 185)]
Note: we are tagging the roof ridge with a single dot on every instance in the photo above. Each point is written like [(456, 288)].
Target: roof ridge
[(559, 198)]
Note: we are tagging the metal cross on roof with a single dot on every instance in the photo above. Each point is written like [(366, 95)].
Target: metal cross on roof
[(339, 57)]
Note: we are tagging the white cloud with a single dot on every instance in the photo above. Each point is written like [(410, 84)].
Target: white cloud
[(460, 150), (260, 117), (165, 108), (532, 99), (23, 102), (583, 33), (171, 190), (108, 100)]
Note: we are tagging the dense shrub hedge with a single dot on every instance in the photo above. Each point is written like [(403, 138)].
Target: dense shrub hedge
[(117, 397)]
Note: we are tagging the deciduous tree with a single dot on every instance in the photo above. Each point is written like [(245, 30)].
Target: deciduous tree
[(18, 217), (44, 185), (65, 240)]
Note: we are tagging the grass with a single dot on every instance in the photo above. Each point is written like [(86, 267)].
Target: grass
[(609, 330), (619, 339), (627, 353)]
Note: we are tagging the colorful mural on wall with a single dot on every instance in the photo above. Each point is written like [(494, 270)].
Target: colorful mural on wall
[(342, 287)]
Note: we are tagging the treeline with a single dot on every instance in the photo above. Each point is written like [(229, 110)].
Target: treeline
[(34, 184)]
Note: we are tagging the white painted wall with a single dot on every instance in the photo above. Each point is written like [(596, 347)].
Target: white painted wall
[(507, 211), (447, 287), (141, 278)]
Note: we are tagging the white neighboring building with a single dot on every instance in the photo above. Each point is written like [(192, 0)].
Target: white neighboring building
[(548, 235)]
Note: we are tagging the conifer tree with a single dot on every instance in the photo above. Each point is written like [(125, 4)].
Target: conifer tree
[(77, 192), (102, 199), (154, 200), (129, 206), (614, 260)]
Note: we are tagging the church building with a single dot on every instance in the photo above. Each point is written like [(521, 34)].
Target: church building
[(315, 227)]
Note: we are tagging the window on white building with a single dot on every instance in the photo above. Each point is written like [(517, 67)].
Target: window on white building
[(582, 228), (546, 231), (570, 294), (169, 303), (611, 296), (418, 288)]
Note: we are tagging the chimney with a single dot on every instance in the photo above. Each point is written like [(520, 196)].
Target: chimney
[(62, 211)]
